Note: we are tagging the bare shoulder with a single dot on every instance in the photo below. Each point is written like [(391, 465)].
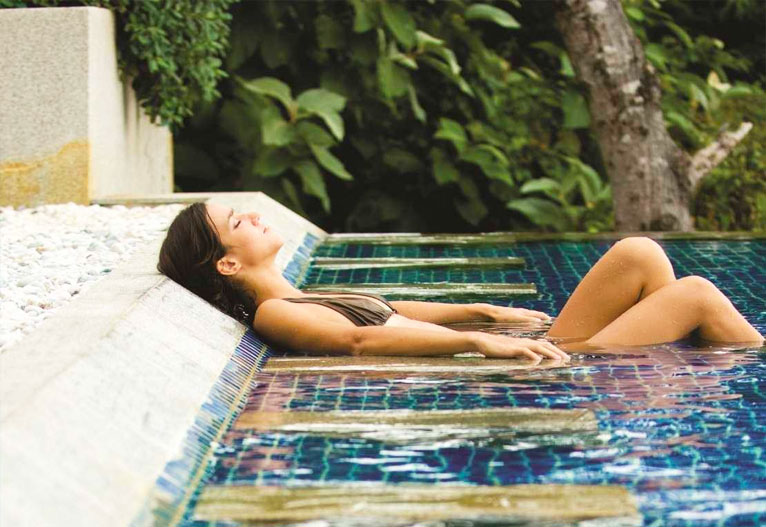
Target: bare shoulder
[(275, 310), (294, 327)]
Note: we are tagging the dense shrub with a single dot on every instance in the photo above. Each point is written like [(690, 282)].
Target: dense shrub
[(170, 50)]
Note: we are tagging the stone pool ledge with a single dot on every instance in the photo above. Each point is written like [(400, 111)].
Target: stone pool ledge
[(104, 401)]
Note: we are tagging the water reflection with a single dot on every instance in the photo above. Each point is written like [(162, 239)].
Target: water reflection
[(673, 421)]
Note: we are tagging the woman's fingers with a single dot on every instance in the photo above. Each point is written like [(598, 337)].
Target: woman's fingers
[(545, 351)]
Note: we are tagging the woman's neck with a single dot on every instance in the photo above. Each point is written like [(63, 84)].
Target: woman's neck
[(267, 282)]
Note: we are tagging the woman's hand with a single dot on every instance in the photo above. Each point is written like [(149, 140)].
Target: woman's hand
[(511, 314), (502, 347)]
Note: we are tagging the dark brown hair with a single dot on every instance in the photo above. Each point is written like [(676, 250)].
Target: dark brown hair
[(188, 256)]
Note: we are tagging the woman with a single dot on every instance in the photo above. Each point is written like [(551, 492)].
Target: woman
[(630, 297)]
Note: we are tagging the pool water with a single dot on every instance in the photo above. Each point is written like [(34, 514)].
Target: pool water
[(682, 427)]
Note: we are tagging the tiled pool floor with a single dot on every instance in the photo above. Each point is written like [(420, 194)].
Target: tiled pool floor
[(681, 428)]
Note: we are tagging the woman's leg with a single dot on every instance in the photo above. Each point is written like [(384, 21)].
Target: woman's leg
[(631, 270), (674, 311)]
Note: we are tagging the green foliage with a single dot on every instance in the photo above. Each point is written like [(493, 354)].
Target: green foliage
[(433, 107), (733, 197), (170, 51), (451, 116)]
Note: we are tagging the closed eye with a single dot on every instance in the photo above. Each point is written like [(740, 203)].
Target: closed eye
[(237, 224)]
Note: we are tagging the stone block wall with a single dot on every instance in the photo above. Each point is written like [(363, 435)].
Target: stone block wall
[(70, 130)]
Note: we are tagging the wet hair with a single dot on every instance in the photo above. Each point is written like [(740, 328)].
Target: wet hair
[(188, 256)]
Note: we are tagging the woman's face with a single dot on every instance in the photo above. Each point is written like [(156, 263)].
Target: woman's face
[(248, 241)]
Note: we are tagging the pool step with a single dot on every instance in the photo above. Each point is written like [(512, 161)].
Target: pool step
[(414, 238), (388, 366), (395, 504), (342, 264), (396, 423), (430, 290)]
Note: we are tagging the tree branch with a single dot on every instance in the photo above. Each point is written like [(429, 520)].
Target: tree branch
[(706, 159)]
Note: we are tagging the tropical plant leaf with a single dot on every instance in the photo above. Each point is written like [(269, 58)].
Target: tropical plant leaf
[(365, 16), (576, 114), (541, 212), (486, 157), (417, 110), (314, 134), (313, 182), (326, 105), (271, 87), (394, 81), (452, 131), (443, 171), (330, 162), (272, 162), (491, 14), (542, 184), (400, 22), (275, 131)]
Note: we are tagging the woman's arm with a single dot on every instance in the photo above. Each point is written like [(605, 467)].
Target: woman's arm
[(286, 325), (438, 313)]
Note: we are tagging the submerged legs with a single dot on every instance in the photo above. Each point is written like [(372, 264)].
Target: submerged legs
[(631, 270), (631, 297)]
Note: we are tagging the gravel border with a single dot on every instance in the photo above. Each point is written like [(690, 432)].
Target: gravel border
[(51, 253)]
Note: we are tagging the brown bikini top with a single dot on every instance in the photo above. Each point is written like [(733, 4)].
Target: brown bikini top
[(360, 311)]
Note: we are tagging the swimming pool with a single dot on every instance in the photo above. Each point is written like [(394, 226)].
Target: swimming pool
[(680, 427)]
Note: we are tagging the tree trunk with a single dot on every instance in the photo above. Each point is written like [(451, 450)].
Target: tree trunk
[(653, 180)]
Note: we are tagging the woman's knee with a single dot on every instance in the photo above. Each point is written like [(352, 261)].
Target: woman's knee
[(697, 284), (641, 251)]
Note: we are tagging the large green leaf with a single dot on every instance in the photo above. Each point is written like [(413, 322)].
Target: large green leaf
[(394, 81), (320, 100), (540, 212), (542, 184), (448, 72), (330, 162), (444, 172), (576, 114), (491, 14), (275, 131), (655, 53), (326, 105), (313, 182), (491, 161), (417, 110), (314, 134), (272, 162), (292, 194), (400, 22), (365, 16), (453, 132), (271, 87)]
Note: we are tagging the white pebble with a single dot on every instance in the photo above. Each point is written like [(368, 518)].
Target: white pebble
[(49, 254)]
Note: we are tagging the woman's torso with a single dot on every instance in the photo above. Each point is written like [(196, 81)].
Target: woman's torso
[(357, 309)]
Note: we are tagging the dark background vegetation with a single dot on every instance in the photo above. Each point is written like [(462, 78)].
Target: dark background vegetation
[(450, 115)]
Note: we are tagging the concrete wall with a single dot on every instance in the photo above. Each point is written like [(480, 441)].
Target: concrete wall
[(100, 398), (69, 129)]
